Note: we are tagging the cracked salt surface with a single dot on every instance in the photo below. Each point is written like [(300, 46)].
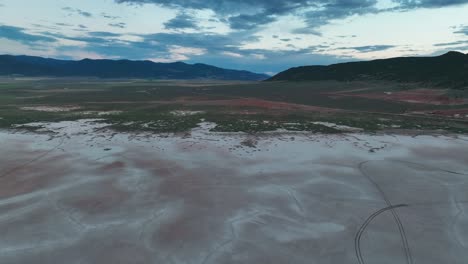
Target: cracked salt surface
[(339, 127), (52, 109), (81, 190)]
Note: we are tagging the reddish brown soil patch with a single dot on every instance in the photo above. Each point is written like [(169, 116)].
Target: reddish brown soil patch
[(32, 177), (237, 102), (263, 104), (117, 165), (456, 113), (416, 96), (106, 197)]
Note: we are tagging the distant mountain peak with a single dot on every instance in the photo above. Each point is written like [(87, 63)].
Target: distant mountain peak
[(454, 54)]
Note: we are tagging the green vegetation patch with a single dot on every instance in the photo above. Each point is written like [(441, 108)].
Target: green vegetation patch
[(262, 123)]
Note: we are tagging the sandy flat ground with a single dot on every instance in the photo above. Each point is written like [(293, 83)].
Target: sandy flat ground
[(84, 194)]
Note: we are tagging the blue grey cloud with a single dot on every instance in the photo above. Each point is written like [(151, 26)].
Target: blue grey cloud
[(248, 14), (18, 34), (462, 30), (454, 43), (211, 42), (103, 34), (77, 11), (182, 21), (64, 24), (347, 36), (369, 48), (105, 15), (89, 38), (411, 4), (45, 27), (247, 22), (118, 25), (338, 9)]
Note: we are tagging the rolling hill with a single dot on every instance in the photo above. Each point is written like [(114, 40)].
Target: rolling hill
[(38, 66), (450, 69)]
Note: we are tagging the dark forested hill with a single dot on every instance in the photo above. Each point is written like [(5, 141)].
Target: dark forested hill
[(37, 66), (450, 69)]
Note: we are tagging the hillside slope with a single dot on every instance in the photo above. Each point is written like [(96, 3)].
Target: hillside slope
[(450, 69), (37, 66)]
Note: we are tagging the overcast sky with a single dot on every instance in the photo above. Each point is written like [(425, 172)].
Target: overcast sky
[(265, 36)]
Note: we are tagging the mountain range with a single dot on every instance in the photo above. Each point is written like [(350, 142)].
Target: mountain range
[(450, 69), (38, 66)]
